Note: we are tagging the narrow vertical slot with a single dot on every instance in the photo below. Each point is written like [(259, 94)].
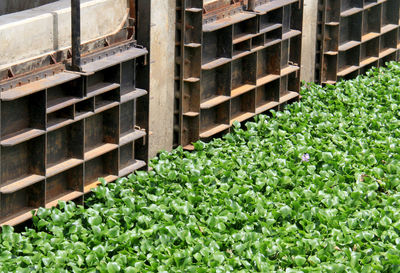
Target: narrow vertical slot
[(190, 130), (350, 31), (289, 88), (64, 148), (128, 160), (66, 186), (267, 96), (243, 107), (287, 13), (194, 4), (388, 58), (371, 26), (128, 77), (244, 74), (60, 118), (350, 6), (191, 99), (127, 118), (217, 47), (295, 51), (285, 54), (273, 37), (258, 42), (107, 100), (28, 123), (22, 164), (192, 63), (16, 207), (367, 67), (64, 95), (271, 20), (331, 39), (104, 166), (241, 48), (388, 43), (193, 27), (214, 120), (369, 2), (268, 64), (244, 30), (84, 108), (390, 15), (215, 86), (101, 133), (349, 61), (332, 11), (129, 130), (329, 68), (103, 81), (349, 76), (369, 52)]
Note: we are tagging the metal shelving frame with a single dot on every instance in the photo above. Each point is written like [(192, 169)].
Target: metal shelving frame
[(233, 63)]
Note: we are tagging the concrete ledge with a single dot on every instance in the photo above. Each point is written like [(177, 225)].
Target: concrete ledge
[(45, 29)]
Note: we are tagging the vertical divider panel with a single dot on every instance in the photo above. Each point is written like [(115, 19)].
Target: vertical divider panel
[(190, 71)]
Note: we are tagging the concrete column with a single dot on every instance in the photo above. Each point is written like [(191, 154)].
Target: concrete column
[(309, 40), (162, 46)]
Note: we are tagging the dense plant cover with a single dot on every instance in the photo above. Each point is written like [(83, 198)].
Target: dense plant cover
[(315, 188)]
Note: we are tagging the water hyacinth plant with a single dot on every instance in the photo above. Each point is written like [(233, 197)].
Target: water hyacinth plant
[(314, 188)]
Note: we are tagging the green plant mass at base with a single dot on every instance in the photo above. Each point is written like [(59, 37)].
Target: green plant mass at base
[(315, 188)]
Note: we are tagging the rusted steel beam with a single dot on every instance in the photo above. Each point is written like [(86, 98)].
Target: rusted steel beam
[(132, 8), (76, 34)]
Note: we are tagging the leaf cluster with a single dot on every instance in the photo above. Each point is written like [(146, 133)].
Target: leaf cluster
[(247, 202)]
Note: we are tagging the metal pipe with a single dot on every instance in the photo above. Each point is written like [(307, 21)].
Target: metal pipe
[(76, 34), (251, 5)]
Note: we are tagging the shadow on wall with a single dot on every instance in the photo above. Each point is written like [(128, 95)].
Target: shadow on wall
[(11, 6)]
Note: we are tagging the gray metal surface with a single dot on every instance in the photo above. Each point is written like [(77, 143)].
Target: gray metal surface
[(11, 6)]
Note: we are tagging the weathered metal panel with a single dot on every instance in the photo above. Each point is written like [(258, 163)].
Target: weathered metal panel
[(63, 131), (237, 63), (355, 36)]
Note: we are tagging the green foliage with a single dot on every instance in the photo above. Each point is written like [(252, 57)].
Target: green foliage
[(249, 202)]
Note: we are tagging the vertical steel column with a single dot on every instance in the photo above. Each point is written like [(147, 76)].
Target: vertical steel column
[(76, 34), (251, 5), (143, 23)]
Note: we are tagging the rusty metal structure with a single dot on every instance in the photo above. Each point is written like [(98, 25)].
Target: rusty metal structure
[(61, 129), (355, 35), (234, 59)]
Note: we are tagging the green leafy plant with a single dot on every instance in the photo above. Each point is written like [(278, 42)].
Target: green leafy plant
[(314, 188)]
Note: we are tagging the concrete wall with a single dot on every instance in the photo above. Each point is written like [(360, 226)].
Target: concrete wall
[(162, 46), (47, 28), (309, 40)]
